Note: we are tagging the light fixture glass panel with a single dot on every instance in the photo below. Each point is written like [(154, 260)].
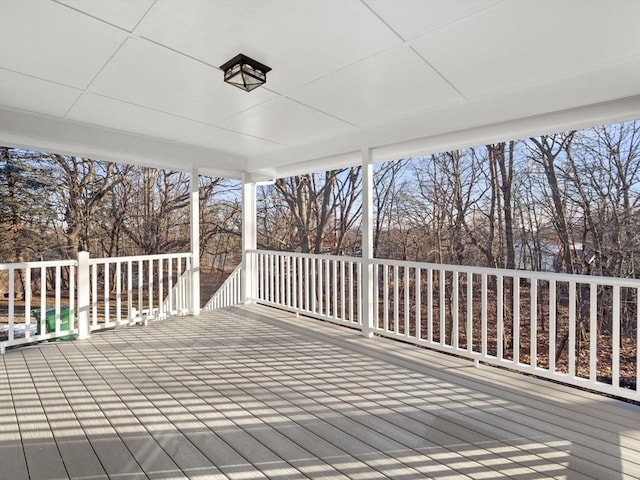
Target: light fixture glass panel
[(250, 80)]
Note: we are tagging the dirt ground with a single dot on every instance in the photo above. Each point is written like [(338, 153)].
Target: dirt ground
[(210, 281)]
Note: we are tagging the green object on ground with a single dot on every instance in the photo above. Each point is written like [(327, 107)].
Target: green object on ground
[(50, 321)]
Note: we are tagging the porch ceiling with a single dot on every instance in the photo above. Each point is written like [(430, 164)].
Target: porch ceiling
[(138, 81)]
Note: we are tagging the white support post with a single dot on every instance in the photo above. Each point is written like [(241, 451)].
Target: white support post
[(195, 242), (368, 309), (249, 240), (84, 296)]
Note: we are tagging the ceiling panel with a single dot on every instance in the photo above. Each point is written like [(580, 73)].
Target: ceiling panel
[(33, 94), (517, 42), (411, 18), (593, 86), (107, 112), (52, 42), (146, 74), (287, 122), (394, 83), (221, 139), (123, 13), (299, 40)]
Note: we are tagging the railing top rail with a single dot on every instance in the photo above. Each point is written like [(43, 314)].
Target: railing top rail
[(47, 263), (68, 263), (562, 277), (339, 258), (528, 274), (135, 258)]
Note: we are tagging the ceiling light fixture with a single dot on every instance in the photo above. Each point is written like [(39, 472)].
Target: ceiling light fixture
[(244, 72)]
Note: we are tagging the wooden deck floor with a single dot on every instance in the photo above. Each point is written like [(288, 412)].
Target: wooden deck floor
[(251, 392)]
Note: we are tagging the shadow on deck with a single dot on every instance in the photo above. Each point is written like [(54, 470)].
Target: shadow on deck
[(252, 392)]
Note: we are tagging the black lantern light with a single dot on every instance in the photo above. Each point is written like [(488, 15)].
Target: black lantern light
[(244, 72)]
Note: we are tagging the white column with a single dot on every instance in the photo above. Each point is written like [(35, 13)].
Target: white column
[(195, 242), (84, 297), (249, 239), (368, 309)]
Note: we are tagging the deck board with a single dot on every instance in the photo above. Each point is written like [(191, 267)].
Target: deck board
[(252, 392), (12, 454)]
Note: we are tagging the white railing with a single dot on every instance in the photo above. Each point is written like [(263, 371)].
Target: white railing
[(576, 329), (38, 301), (138, 289), (321, 286), (179, 299), (229, 293), (42, 300)]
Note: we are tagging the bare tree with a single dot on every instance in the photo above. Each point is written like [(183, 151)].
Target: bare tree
[(347, 208), (25, 209), (605, 168), (387, 184), (158, 220), (320, 209), (546, 151), (219, 216), (82, 185), (503, 158), (448, 186)]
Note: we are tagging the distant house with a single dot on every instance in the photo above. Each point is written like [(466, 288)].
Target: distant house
[(547, 257)]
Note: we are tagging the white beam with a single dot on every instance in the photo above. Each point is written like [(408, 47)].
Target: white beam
[(469, 124), (249, 239), (195, 242), (368, 283), (49, 134)]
